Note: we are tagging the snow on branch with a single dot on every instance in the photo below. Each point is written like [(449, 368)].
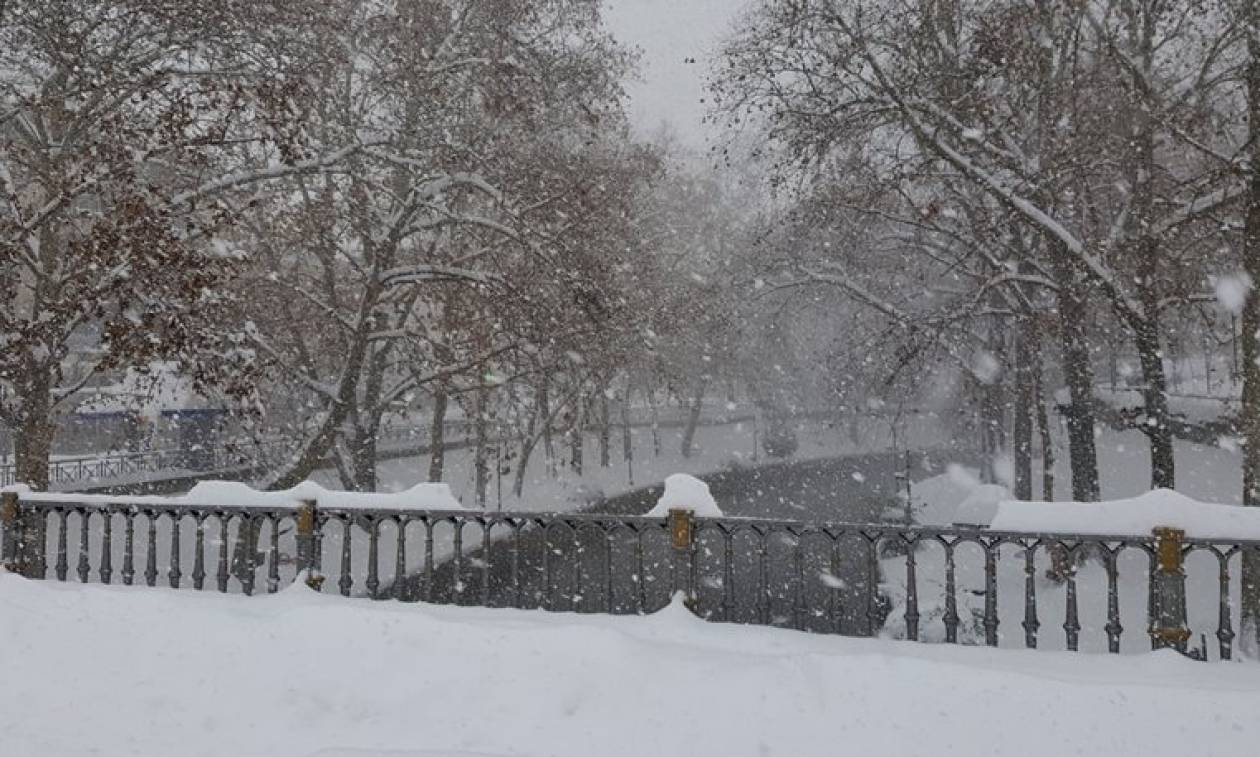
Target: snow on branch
[(414, 274), (242, 178)]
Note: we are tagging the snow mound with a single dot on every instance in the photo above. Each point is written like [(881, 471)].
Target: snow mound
[(687, 493), (980, 506), (557, 684), (1135, 516), (424, 496), (956, 496)]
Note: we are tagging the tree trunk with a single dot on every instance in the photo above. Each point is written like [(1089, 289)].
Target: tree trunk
[(33, 437), (363, 459), (1156, 420), (627, 439), (522, 464), (576, 443), (605, 431), (1079, 375), (437, 433), (656, 424), (1021, 426), (481, 447), (1142, 168), (549, 447), (1043, 424), (992, 390), (693, 420), (1249, 639)]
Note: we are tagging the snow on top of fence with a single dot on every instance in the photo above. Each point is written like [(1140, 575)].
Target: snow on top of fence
[(686, 493), (1135, 516), (424, 496)]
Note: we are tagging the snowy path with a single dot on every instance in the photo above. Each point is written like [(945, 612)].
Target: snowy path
[(94, 670)]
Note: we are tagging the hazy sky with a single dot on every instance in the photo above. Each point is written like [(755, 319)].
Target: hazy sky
[(669, 32)]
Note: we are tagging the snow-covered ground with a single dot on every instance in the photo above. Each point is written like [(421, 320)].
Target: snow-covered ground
[(109, 671)]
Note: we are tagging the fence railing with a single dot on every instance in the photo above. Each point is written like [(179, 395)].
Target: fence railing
[(918, 583), (113, 466)]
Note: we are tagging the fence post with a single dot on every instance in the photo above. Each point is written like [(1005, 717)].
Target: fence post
[(683, 538), (10, 518), (1168, 592), (307, 544), (24, 540)]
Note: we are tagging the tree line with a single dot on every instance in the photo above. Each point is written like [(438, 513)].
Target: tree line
[(1017, 186)]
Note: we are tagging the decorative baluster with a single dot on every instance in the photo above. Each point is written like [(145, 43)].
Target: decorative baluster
[(834, 606), (458, 556), (727, 608), (872, 583), (912, 589), (428, 559), (129, 548), (485, 563), (400, 559), (951, 594), (318, 521), (1225, 628), (608, 569), (63, 565), (346, 581), (150, 563), (373, 572), (639, 569), (223, 573), (798, 594), (990, 592), (85, 566), (576, 597), (247, 546), (1113, 627), (1072, 622), (273, 554), (107, 546), (517, 591), (1030, 624), (547, 575), (199, 553), (693, 567), (174, 574), (763, 578)]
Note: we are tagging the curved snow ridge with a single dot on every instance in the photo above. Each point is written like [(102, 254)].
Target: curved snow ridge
[(686, 492), (423, 496), (1136, 516)]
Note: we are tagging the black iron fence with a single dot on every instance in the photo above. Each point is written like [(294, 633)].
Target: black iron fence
[(918, 583), (137, 465)]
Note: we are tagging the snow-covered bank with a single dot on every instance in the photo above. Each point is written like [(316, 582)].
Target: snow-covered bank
[(111, 671)]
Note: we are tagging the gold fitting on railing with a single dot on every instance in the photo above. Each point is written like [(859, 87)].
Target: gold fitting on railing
[(1168, 549), (1170, 636), (680, 528), (306, 517)]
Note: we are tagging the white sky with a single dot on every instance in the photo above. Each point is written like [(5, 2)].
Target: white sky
[(668, 32)]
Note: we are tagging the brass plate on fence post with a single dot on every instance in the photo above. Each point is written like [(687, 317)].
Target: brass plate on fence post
[(680, 528), (1168, 549), (8, 507), (306, 517)]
